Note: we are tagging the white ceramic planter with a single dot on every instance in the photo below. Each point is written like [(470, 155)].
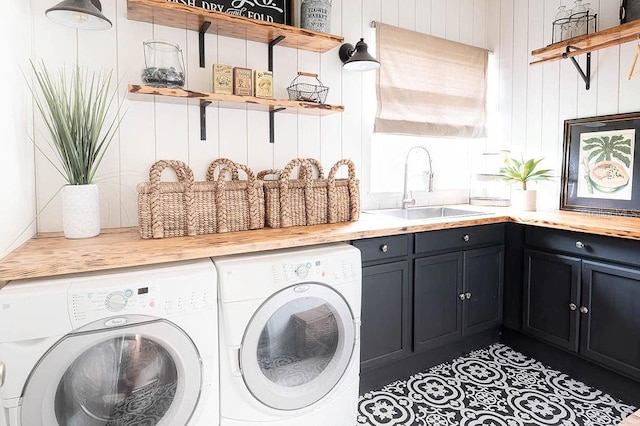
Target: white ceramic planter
[(524, 200), (80, 211)]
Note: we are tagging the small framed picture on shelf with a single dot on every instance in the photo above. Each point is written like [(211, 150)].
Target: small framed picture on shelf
[(242, 81), (599, 165), (263, 83), (223, 79)]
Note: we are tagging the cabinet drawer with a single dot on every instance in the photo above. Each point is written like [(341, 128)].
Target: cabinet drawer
[(383, 247), (584, 245), (459, 238)]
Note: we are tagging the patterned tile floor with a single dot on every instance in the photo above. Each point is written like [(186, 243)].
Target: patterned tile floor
[(495, 386)]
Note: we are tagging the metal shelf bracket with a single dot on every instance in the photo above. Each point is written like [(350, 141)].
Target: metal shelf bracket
[(272, 113), (586, 76), (271, 44), (203, 29), (203, 119)]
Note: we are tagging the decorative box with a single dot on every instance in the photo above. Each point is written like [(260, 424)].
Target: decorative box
[(242, 81), (223, 79), (263, 83)]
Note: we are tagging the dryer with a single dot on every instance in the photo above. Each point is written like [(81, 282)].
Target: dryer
[(121, 347), (289, 324)]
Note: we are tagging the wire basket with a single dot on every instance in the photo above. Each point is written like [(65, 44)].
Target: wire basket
[(307, 92)]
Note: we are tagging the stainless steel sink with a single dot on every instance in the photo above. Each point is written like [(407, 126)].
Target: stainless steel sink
[(417, 213)]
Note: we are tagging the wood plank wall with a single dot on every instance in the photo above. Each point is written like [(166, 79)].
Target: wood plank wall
[(531, 102)]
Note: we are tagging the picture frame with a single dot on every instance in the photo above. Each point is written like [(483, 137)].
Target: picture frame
[(601, 165)]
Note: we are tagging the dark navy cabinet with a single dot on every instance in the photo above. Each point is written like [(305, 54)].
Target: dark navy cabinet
[(582, 293), (457, 293), (385, 317)]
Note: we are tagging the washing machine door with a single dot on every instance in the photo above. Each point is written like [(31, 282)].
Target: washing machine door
[(145, 373), (297, 346)]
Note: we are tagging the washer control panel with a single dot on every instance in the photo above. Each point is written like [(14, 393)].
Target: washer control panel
[(314, 270), (154, 298)]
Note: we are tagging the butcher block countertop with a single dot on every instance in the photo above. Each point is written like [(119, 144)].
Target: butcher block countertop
[(632, 420), (50, 254)]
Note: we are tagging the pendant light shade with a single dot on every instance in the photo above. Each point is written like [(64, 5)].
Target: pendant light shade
[(83, 14), (358, 58)]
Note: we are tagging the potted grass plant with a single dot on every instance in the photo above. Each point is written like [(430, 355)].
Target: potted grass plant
[(521, 172), (76, 109)]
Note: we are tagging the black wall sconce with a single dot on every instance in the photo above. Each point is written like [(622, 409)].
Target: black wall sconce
[(358, 58), (83, 14)]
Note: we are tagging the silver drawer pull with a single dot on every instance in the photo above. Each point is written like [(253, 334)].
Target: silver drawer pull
[(384, 248), (584, 309), (461, 296), (1, 373), (572, 306), (465, 237), (579, 244)]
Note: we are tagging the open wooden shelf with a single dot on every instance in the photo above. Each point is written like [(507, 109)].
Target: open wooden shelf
[(588, 43), (181, 16), (242, 102)]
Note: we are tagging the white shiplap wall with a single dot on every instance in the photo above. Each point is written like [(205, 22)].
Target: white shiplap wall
[(17, 203), (532, 101)]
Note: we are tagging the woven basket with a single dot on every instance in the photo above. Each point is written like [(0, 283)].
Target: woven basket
[(188, 208), (308, 200), (239, 203), (343, 204)]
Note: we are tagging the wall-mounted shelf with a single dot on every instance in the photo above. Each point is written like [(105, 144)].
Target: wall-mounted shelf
[(178, 15), (239, 102), (204, 21), (586, 44)]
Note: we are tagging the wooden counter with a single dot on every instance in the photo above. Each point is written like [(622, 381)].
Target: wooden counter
[(51, 254), (632, 420)]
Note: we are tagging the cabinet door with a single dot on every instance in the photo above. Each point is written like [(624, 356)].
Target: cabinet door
[(437, 316), (610, 319), (384, 333), (551, 296), (483, 283)]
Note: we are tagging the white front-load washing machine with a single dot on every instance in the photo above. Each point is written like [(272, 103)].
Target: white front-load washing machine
[(289, 324), (134, 346)]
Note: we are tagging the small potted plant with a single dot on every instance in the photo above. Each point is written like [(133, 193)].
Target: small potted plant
[(76, 113), (521, 172)]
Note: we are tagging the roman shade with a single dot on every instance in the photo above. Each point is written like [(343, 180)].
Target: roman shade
[(429, 86)]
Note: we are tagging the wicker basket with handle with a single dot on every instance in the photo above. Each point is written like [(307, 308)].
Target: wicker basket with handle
[(308, 200), (188, 208), (343, 203), (239, 204), (289, 202)]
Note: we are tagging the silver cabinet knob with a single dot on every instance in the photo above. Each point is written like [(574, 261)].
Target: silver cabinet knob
[(468, 295), (465, 237), (462, 296), (579, 244), (572, 306), (384, 248), (584, 309)]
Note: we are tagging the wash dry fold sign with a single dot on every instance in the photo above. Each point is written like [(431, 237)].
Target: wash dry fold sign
[(277, 11)]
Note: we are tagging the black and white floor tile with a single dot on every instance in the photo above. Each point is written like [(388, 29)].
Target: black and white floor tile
[(495, 386)]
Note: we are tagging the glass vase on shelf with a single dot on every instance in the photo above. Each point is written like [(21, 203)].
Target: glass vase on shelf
[(591, 19), (561, 25), (578, 19)]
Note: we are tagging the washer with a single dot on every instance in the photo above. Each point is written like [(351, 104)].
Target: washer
[(289, 324), (123, 347)]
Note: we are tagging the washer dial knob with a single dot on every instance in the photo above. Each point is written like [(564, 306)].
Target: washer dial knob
[(116, 301), (302, 270)]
